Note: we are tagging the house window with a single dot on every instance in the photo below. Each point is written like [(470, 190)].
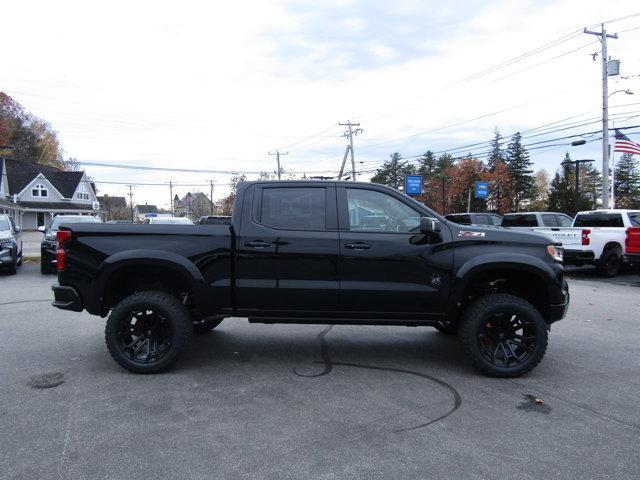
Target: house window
[(39, 191), (81, 193)]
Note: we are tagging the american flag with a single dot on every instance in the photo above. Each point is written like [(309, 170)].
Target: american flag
[(624, 145)]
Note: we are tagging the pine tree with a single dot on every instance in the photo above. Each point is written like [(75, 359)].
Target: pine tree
[(559, 194), (627, 182), (393, 172), (427, 165), (517, 160), (444, 162), (562, 190), (495, 154), (590, 186)]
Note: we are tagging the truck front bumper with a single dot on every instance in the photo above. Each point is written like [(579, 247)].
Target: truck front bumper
[(557, 311), (66, 298)]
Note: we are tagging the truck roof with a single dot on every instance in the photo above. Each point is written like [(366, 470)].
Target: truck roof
[(535, 213), (609, 210)]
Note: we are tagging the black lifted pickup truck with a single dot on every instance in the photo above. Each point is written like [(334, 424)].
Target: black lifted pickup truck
[(316, 253)]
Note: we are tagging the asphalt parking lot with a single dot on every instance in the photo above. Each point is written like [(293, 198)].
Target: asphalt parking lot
[(287, 401)]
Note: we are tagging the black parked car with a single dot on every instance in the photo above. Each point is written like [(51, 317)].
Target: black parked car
[(10, 244), (49, 245), (318, 253), (474, 218)]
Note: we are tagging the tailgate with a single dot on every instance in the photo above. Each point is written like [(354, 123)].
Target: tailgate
[(569, 236), (632, 242)]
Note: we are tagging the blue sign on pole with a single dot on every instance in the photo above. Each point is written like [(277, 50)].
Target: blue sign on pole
[(413, 184), (482, 189)]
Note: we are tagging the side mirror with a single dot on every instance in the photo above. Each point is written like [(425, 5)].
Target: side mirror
[(41, 229), (429, 225), (17, 229)]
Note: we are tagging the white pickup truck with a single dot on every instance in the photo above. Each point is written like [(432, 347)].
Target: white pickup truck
[(596, 238)]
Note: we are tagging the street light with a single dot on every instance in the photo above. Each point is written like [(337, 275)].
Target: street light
[(628, 92), (577, 179)]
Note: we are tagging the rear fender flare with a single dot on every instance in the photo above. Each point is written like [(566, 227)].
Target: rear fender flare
[(194, 281)]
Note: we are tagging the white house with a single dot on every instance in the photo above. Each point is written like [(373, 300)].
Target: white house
[(34, 193)]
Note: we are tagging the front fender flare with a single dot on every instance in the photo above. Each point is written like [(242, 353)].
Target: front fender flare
[(499, 261)]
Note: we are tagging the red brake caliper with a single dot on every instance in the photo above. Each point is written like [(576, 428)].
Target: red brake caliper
[(487, 340)]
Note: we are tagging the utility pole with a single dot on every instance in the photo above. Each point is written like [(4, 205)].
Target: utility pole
[(344, 161), (350, 135), (171, 197), (444, 210), (603, 35), (131, 202), (211, 196), (277, 153)]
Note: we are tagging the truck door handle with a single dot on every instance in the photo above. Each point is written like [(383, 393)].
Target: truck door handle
[(257, 244), (357, 246)]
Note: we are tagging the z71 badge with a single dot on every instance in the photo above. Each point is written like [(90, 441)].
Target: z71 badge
[(469, 233)]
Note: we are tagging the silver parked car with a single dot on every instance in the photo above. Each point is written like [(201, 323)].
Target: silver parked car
[(10, 244)]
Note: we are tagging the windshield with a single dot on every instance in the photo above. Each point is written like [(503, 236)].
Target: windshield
[(4, 224), (73, 219)]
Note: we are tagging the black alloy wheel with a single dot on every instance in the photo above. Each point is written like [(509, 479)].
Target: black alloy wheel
[(609, 263), (147, 331), (506, 340), (145, 336), (503, 335)]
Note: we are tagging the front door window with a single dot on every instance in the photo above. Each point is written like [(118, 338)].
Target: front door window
[(372, 211)]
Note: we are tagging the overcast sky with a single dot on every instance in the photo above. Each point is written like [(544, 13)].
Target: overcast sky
[(217, 85)]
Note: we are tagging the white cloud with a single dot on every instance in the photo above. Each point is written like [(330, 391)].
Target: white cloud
[(210, 85)]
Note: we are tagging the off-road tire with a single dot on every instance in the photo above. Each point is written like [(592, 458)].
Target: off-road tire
[(609, 263), (174, 313), (482, 311), (206, 325)]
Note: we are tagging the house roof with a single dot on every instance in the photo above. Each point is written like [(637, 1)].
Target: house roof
[(21, 173), (112, 202), (65, 182), (147, 209)]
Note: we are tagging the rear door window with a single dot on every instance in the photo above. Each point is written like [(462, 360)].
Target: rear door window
[(497, 219), (482, 220), (293, 208), (564, 220), (520, 220), (459, 219), (549, 220), (599, 220)]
